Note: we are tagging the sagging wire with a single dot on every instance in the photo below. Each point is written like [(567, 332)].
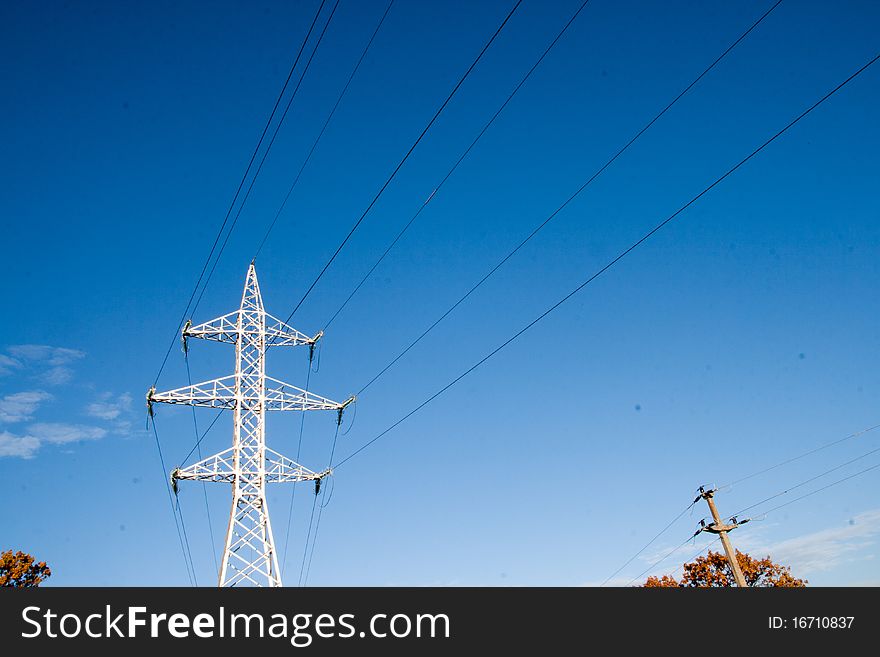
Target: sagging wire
[(198, 446), (302, 421), (304, 577), (184, 543)]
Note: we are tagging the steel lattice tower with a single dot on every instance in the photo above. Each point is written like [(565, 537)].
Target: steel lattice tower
[(249, 557)]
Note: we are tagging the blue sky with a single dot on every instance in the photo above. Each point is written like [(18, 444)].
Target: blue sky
[(742, 334)]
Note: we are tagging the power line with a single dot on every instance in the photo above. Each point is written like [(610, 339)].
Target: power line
[(266, 152), (665, 557), (180, 537), (457, 163), (567, 201), (696, 554), (807, 481), (404, 159), (235, 197), (649, 543), (321, 510), (302, 422), (204, 485), (199, 441), (321, 133), (800, 456), (617, 258), (819, 490)]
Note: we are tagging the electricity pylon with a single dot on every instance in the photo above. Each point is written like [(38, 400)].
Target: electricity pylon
[(249, 557)]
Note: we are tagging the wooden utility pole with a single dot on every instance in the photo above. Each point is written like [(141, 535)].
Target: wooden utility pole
[(718, 527)]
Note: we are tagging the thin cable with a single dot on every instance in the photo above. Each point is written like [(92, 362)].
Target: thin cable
[(800, 456), (204, 484), (819, 490), (649, 543), (321, 133), (807, 481), (235, 197), (402, 161), (308, 536), (661, 560), (302, 422), (457, 163), (617, 258), (567, 201), (320, 510), (199, 441), (266, 153), (171, 501), (696, 554), (186, 539)]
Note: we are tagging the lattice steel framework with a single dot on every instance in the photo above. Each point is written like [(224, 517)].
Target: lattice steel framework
[(249, 557)]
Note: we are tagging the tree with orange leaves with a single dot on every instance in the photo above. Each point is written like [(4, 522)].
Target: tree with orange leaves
[(713, 570), (19, 570)]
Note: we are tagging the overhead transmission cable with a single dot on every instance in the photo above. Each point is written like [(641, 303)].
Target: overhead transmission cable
[(823, 488), (455, 166), (321, 133), (666, 556), (266, 151), (184, 542), (565, 203), (807, 481), (403, 160), (800, 456), (619, 257), (649, 543), (204, 484), (186, 310)]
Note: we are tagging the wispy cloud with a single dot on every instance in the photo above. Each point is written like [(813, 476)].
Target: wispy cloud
[(21, 406), (824, 549), (60, 433), (55, 360), (108, 407), (54, 356), (8, 364), (54, 433)]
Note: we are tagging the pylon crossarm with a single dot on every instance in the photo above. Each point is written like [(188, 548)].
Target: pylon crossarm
[(285, 397), (222, 329), (279, 334), (216, 393), (280, 469), (220, 467)]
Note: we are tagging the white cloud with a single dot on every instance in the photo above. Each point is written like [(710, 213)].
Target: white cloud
[(108, 408), (824, 549), (58, 376), (22, 446), (53, 360), (59, 433), (8, 364), (56, 433), (21, 406), (54, 356)]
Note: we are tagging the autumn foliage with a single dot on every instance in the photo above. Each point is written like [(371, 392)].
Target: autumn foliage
[(713, 570), (19, 570)]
